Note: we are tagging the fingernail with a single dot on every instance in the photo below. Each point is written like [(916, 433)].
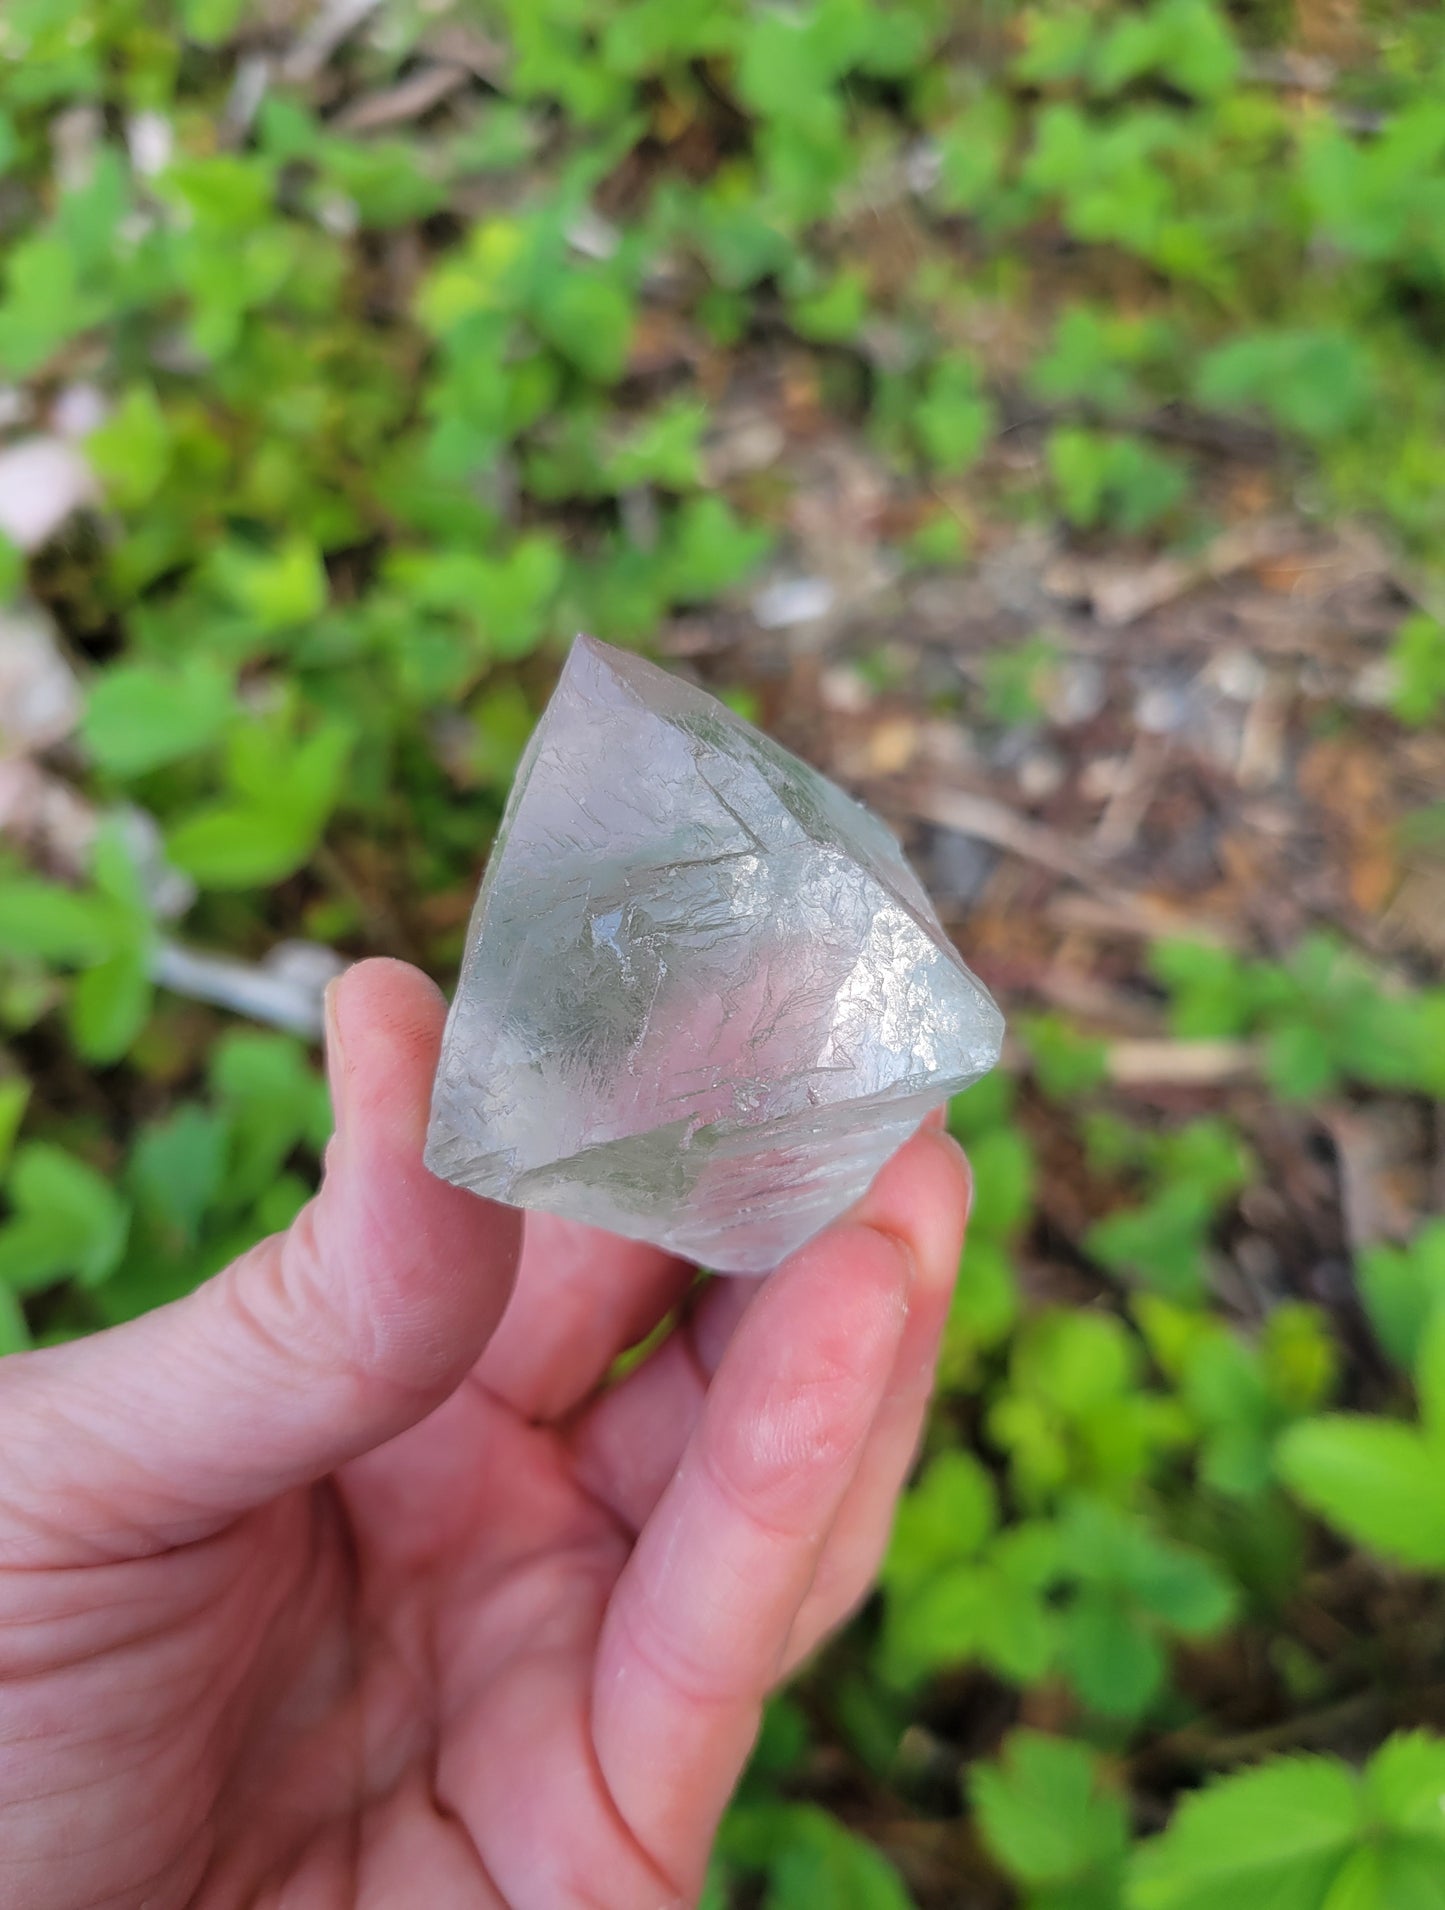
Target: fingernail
[(959, 1152)]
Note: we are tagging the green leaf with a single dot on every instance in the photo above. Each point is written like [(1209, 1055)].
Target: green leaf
[(835, 312), (589, 320), (110, 1003), (51, 924), (945, 1518), (1299, 1358), (1209, 988), (1315, 383), (1045, 1814), (710, 549), (665, 449), (1402, 1288), (520, 590), (1076, 1361), (1395, 1877), (1161, 1243), (1306, 1834), (716, 1891), (935, 1624), (239, 845), (1270, 1839), (389, 181), (1417, 663), (783, 1738), (211, 22), (987, 1105), (12, 570), (1186, 42), (66, 1220), (1405, 1784), (14, 1333), (230, 193), (176, 1171), (1066, 1062), (285, 791), (1116, 1665), (131, 451), (1017, 1632), (1430, 1378), (953, 419), (787, 65), (14, 1099), (1182, 1589), (139, 716), (274, 1102), (1300, 1066), (1115, 480), (984, 1307), (1381, 1484), (810, 1859), (819, 1862), (973, 152), (1003, 1183), (278, 589)]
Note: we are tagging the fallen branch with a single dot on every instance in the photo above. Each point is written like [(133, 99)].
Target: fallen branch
[(411, 98), (1182, 1063), (285, 990), (1064, 856)]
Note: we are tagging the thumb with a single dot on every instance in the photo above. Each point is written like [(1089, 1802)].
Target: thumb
[(316, 1346)]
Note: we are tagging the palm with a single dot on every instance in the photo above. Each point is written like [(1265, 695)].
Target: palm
[(511, 1649), (343, 1736)]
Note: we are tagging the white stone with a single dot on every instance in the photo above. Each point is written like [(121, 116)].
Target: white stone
[(703, 996), (42, 481), (40, 700)]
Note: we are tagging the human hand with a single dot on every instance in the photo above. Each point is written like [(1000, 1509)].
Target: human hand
[(345, 1580)]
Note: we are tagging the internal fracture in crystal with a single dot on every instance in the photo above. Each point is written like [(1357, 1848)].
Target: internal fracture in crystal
[(703, 996)]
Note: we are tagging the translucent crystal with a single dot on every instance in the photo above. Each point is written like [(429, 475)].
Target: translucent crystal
[(703, 996)]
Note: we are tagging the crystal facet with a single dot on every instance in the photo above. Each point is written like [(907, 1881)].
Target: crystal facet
[(703, 997)]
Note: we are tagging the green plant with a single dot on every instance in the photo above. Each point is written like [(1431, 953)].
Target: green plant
[(1305, 1831), (1130, 1592), (1417, 657), (807, 1858), (958, 1589), (1402, 1287), (986, 1300), (952, 418), (1066, 1063), (1050, 1819), (1315, 383), (1075, 1413), (65, 1221), (1103, 361), (1323, 1014), (1120, 481), (1188, 1175), (1241, 1394), (1381, 1482)]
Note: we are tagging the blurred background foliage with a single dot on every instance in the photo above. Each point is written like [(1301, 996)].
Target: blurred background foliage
[(1035, 414)]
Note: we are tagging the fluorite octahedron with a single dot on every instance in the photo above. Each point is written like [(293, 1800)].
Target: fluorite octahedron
[(703, 997)]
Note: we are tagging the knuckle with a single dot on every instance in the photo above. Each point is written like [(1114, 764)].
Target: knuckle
[(278, 1301)]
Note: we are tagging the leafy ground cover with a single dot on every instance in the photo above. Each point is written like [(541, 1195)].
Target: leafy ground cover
[(1034, 414)]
